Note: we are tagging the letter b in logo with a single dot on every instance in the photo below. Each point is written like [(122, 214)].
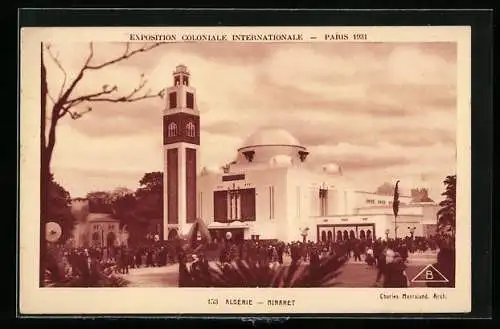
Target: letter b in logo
[(429, 274)]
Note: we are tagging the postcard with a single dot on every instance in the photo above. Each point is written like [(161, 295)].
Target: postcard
[(245, 170)]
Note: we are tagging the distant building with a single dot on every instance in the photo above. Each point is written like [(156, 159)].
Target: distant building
[(96, 229), (269, 191)]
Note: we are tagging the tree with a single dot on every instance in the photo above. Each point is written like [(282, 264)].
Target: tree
[(65, 104), (385, 189), (151, 182), (125, 210), (100, 202), (150, 195), (59, 209), (420, 195), (137, 210), (447, 213)]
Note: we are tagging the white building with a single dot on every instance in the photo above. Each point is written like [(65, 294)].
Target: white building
[(269, 191)]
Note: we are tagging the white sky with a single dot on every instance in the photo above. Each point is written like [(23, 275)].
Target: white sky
[(383, 111)]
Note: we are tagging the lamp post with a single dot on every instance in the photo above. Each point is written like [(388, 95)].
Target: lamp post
[(387, 234)]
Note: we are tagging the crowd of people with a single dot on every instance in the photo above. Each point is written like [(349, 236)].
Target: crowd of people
[(83, 262), (387, 256)]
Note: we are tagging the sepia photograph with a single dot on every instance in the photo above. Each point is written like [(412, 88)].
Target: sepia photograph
[(279, 160), (240, 165)]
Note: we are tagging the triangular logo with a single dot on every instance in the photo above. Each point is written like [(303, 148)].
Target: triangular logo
[(429, 274)]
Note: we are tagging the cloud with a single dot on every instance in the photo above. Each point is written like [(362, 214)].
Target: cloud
[(375, 108)]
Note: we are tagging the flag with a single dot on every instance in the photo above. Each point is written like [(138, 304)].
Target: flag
[(395, 203)]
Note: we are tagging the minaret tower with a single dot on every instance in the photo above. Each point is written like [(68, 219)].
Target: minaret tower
[(181, 140)]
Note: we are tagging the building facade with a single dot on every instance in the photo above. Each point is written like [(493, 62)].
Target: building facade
[(269, 190), (98, 230)]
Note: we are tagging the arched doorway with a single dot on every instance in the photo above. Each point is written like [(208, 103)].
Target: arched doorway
[(339, 236), (172, 234), (369, 235), (362, 234), (352, 235), (96, 238), (330, 236), (110, 239), (323, 236), (346, 235)]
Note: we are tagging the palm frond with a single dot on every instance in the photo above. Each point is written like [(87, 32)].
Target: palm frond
[(242, 273)]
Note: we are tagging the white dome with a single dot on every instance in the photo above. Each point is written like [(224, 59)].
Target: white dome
[(271, 136)]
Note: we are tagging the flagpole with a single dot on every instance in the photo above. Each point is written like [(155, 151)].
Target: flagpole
[(395, 208)]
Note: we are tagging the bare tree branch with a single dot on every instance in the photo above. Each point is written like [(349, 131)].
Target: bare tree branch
[(51, 98), (58, 63), (91, 97), (126, 54), (64, 103), (77, 115), (106, 90), (128, 100), (91, 55), (60, 107)]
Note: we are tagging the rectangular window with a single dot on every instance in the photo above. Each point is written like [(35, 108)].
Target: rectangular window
[(271, 202), (189, 100), (172, 100), (229, 206), (190, 185), (323, 199), (172, 186), (220, 206), (237, 201), (247, 204)]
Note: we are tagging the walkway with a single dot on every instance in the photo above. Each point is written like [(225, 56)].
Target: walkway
[(165, 276), (353, 274)]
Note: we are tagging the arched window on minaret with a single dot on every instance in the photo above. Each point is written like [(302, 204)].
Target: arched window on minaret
[(190, 130), (172, 129)]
